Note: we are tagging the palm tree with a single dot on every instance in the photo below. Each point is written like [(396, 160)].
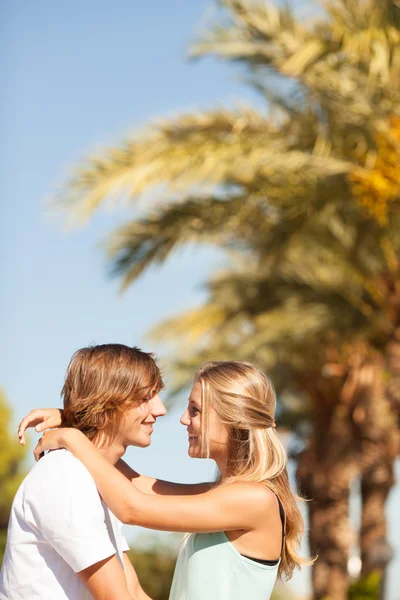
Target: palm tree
[(297, 321), (306, 192)]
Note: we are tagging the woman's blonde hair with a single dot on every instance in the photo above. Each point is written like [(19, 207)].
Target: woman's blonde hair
[(244, 401)]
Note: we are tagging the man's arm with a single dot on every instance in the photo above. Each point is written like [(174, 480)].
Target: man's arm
[(132, 581), (67, 510), (106, 580), (159, 487)]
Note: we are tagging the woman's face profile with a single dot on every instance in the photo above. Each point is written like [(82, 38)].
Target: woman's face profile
[(192, 420)]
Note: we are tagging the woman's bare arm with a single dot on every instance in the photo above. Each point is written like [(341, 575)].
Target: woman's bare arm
[(224, 508), (150, 485), (50, 418)]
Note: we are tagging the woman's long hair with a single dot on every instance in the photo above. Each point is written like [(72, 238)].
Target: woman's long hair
[(244, 400)]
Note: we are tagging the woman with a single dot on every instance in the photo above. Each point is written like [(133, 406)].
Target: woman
[(244, 530)]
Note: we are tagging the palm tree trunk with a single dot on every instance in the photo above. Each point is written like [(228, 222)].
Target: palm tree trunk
[(325, 472), (330, 534), (378, 425), (392, 356), (360, 435), (376, 483)]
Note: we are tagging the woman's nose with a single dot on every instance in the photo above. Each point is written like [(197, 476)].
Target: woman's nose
[(185, 419)]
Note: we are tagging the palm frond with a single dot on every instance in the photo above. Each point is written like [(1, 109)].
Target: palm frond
[(216, 149), (287, 190), (261, 34), (143, 242)]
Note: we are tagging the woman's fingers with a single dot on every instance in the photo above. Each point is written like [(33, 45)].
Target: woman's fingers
[(40, 419), (38, 452), (35, 419), (50, 440), (40, 447)]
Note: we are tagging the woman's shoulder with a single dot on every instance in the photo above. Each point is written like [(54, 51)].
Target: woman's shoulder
[(254, 496)]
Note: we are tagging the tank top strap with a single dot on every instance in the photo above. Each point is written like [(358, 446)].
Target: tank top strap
[(282, 515), (283, 520)]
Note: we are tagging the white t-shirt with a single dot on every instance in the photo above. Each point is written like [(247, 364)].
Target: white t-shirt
[(58, 527)]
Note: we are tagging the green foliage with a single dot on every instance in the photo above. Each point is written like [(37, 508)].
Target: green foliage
[(3, 541), (281, 592), (11, 467), (367, 588), (155, 569)]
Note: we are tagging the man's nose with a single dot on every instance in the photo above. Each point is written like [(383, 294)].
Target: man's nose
[(158, 408), (185, 419)]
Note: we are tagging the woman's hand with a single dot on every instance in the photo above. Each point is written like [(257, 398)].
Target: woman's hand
[(58, 438), (40, 419)]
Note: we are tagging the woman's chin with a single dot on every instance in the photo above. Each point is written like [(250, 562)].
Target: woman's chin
[(194, 452)]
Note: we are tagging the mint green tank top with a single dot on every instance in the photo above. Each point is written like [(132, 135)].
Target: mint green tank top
[(210, 568)]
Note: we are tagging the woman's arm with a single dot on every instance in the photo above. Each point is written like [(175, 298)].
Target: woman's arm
[(224, 508), (50, 418), (150, 485)]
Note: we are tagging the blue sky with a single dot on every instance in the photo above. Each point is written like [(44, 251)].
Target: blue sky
[(78, 75)]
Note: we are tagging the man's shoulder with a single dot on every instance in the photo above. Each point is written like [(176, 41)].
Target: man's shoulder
[(60, 459), (57, 468), (57, 487)]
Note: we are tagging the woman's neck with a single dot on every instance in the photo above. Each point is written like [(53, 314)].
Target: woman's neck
[(222, 464)]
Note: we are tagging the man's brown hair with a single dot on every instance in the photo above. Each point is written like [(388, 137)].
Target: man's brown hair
[(102, 381)]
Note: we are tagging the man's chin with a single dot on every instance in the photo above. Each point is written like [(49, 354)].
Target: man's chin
[(142, 443)]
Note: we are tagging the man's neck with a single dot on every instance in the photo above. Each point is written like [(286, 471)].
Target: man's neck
[(112, 451)]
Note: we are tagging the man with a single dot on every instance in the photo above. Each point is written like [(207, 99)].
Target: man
[(63, 542)]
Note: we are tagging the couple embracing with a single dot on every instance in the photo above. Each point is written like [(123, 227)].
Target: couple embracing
[(64, 537)]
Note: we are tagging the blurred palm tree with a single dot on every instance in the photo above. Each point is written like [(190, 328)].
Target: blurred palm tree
[(298, 327), (303, 195)]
